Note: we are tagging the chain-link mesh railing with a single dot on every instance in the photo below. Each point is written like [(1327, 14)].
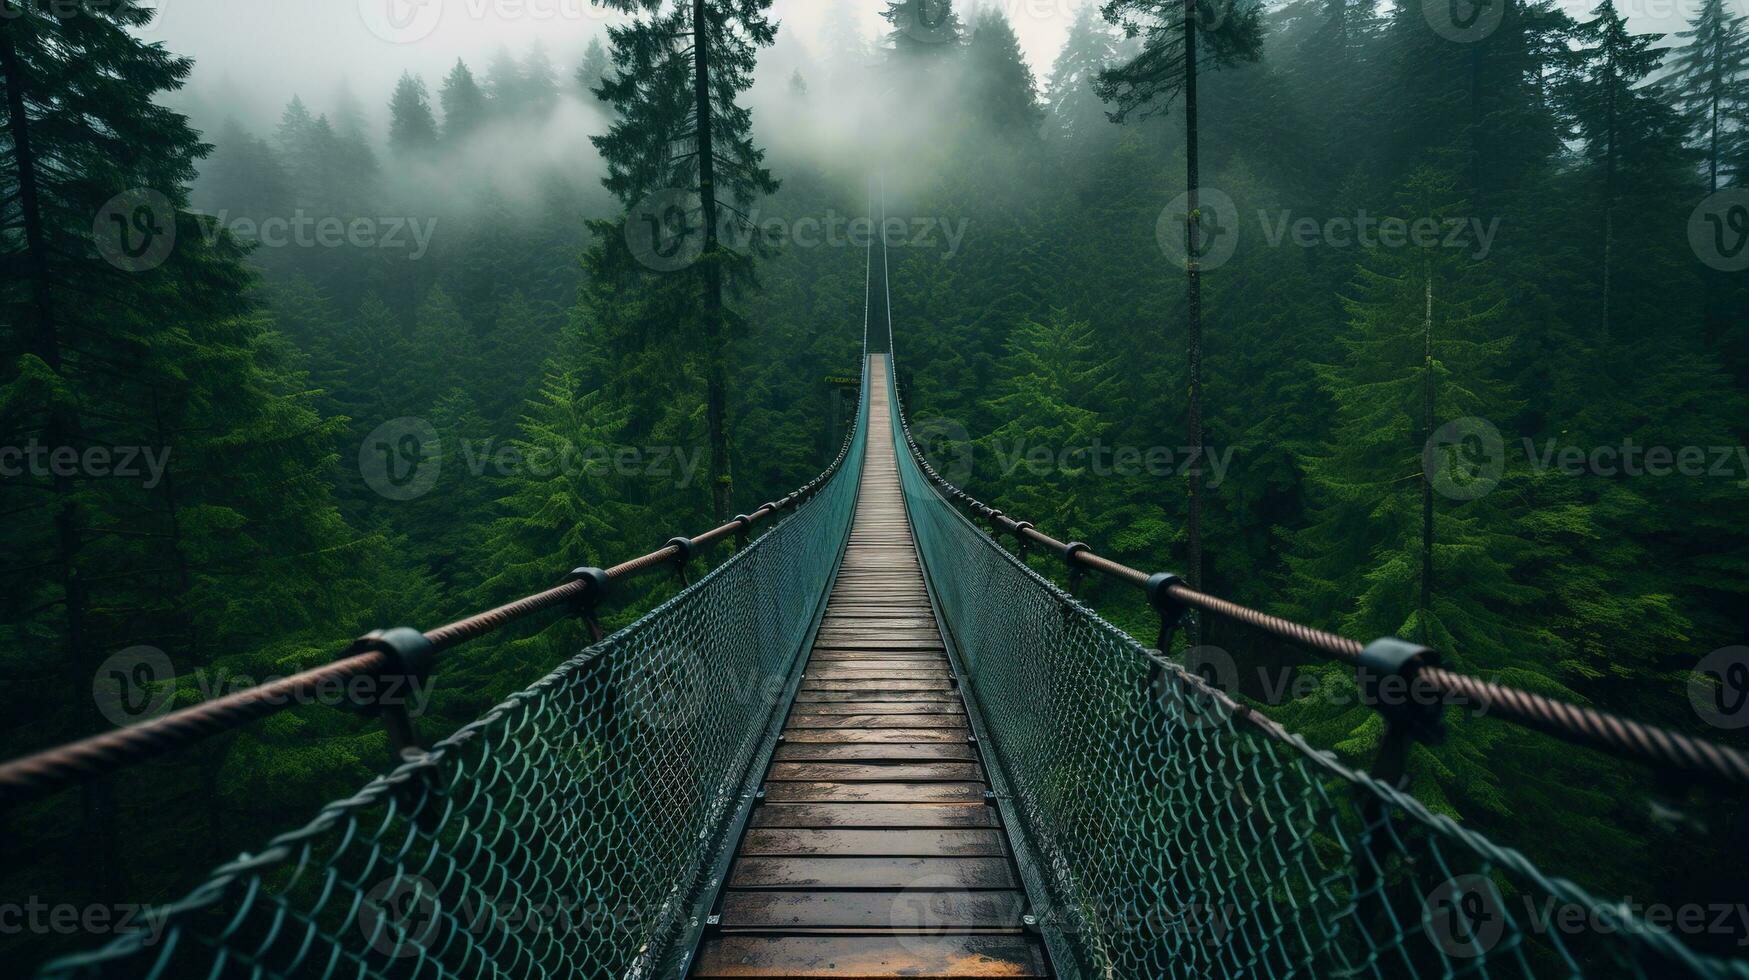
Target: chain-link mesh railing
[(568, 833), (1166, 831)]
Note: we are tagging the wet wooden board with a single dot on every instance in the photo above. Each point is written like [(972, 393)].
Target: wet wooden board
[(877, 720), (875, 752), (850, 772), (818, 815), (884, 708), (888, 792), (871, 872), (927, 905), (806, 697), (887, 736), (874, 851), (870, 957), (875, 843)]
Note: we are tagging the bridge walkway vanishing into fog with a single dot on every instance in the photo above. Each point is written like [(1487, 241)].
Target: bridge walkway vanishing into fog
[(875, 852), (876, 741)]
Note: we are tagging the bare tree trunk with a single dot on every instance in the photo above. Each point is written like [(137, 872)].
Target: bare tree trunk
[(98, 860), (1193, 283), (716, 407), (1427, 434)]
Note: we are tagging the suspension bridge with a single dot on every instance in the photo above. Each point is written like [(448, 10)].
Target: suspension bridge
[(874, 742)]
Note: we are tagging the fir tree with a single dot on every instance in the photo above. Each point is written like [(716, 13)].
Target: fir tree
[(1000, 85), (464, 104), (1603, 96), (540, 81), (1075, 116), (140, 334), (1709, 79), (922, 31), (1056, 384), (1148, 84), (504, 89), (412, 127), (667, 91), (1406, 536), (594, 69)]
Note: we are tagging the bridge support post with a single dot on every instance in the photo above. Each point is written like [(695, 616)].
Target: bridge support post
[(408, 660)]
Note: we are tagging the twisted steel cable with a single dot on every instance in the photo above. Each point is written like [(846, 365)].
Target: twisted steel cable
[(84, 760), (1570, 722)]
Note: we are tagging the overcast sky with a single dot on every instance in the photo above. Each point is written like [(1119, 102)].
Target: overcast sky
[(266, 49)]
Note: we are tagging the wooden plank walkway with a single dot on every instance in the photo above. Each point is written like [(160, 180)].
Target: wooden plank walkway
[(874, 852)]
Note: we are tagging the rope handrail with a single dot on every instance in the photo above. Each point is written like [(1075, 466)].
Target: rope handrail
[(1418, 667), (381, 654)]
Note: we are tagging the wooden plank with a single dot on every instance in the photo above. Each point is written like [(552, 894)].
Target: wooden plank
[(852, 772), (894, 697), (874, 684), (875, 752), (870, 957), (890, 736), (874, 815), (826, 792), (875, 720), (925, 906), (875, 843), (871, 872), (884, 708)]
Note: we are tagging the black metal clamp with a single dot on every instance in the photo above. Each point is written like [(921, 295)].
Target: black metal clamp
[(684, 545), (595, 585), (743, 530), (1388, 672), (1077, 571), (1021, 541), (1170, 610), (408, 659)]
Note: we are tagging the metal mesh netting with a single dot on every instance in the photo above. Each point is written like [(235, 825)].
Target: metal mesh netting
[(1164, 831), (568, 833)]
